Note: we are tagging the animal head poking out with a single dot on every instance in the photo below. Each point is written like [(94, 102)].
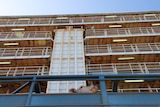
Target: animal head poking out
[(85, 89)]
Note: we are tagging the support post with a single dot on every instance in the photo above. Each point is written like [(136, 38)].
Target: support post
[(103, 88), (114, 86), (37, 87), (20, 88), (30, 91)]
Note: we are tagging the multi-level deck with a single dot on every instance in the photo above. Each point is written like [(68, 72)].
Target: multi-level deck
[(41, 57)]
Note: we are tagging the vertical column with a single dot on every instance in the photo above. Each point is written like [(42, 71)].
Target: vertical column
[(67, 59)]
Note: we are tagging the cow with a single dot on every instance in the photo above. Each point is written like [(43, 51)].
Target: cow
[(84, 89)]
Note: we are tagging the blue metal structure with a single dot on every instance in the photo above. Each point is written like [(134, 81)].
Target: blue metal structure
[(100, 99)]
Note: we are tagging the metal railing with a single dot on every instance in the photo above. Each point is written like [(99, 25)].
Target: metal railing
[(33, 21), (122, 32), (22, 52), (111, 49), (139, 90), (26, 70), (124, 68), (38, 35), (34, 93)]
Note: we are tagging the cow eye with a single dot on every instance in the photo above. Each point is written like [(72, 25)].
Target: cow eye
[(81, 87)]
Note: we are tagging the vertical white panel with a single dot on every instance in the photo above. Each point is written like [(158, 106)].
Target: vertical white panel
[(67, 59)]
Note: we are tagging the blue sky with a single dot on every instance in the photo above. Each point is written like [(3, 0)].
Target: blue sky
[(51, 7)]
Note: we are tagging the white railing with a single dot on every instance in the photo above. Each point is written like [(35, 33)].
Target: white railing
[(33, 21), (136, 90), (25, 35), (26, 70), (140, 90), (122, 32), (22, 52), (124, 68), (118, 49)]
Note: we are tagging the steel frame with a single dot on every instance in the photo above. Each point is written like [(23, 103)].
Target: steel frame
[(103, 95)]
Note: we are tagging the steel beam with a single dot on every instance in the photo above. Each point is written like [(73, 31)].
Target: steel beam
[(31, 91), (114, 86), (82, 100), (100, 99), (20, 88), (103, 88), (113, 77), (37, 87)]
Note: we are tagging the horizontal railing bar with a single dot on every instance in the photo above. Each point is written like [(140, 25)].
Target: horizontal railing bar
[(119, 105), (80, 77)]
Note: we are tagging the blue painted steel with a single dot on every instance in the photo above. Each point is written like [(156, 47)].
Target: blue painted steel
[(78, 100), (143, 99), (67, 99), (80, 77), (101, 99), (103, 90), (30, 91), (20, 88), (12, 100), (114, 86)]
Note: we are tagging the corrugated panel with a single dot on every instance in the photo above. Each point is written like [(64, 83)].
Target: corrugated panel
[(67, 59)]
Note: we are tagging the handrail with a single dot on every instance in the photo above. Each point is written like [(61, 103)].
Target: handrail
[(99, 77), (124, 68), (140, 90), (24, 51), (102, 98), (111, 49), (27, 35), (24, 70), (78, 20), (121, 32)]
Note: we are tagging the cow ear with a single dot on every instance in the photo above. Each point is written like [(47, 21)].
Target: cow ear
[(72, 90)]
